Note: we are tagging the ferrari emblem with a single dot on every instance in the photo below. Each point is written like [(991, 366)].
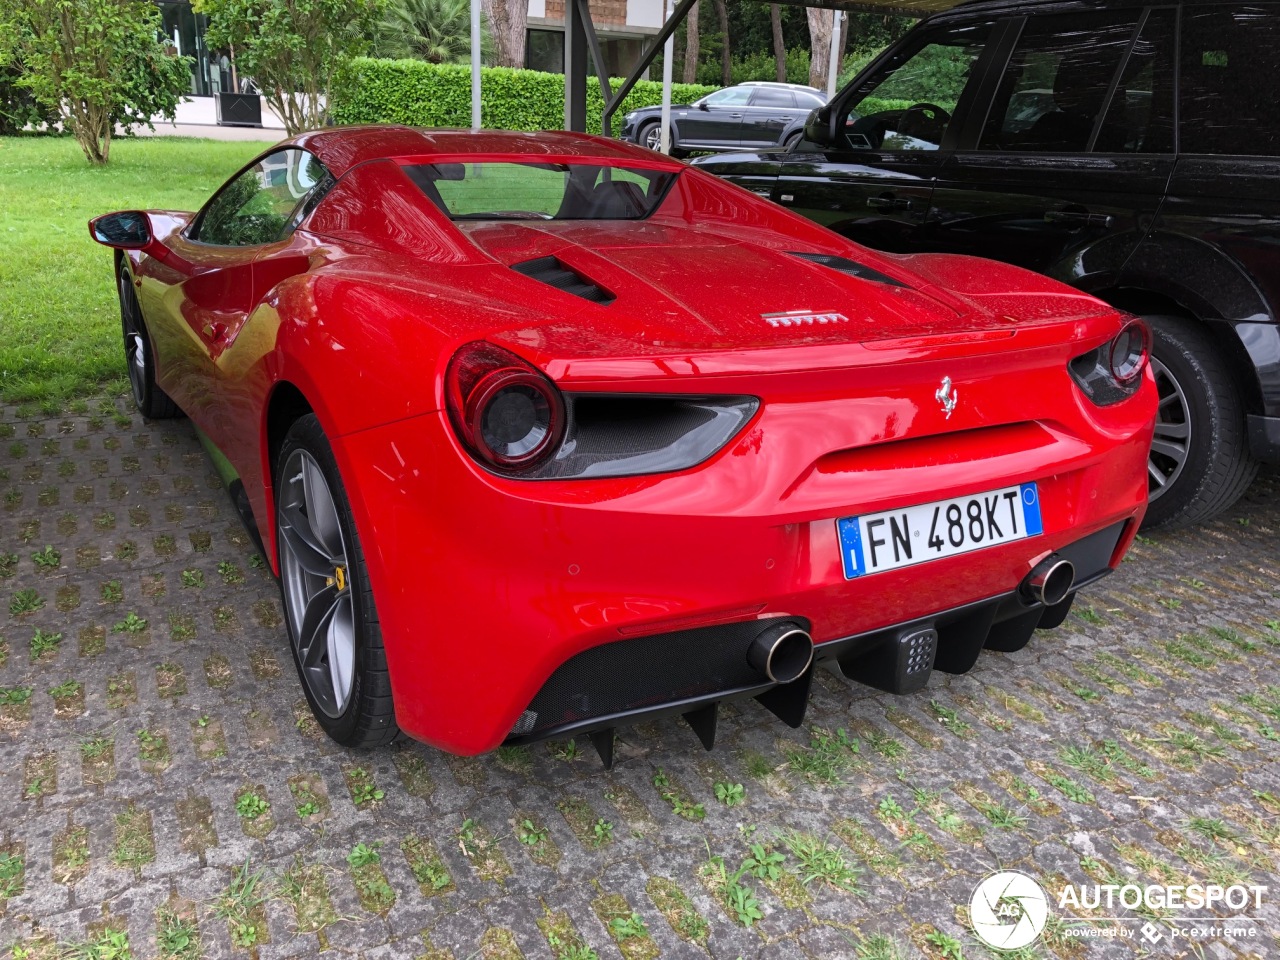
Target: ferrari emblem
[(947, 396)]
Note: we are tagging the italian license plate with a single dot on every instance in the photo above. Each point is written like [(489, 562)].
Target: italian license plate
[(899, 538)]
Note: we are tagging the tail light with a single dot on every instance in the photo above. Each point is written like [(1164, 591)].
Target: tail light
[(513, 420), (507, 414), (1113, 371), (1128, 353)]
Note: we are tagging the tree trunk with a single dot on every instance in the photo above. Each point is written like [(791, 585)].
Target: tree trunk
[(820, 21), (507, 22), (726, 56), (691, 43), (779, 45)]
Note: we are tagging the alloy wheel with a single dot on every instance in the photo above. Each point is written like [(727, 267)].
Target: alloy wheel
[(653, 137), (135, 348), (317, 587), (1171, 445)]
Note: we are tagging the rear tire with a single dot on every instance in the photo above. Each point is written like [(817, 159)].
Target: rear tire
[(1200, 462), (324, 584), (152, 402)]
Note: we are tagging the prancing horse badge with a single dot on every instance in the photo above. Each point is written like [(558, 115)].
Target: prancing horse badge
[(947, 396)]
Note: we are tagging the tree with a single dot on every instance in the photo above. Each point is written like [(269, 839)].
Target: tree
[(507, 22), (97, 64), (438, 31), (293, 49), (820, 23), (779, 45), (691, 43), (726, 55)]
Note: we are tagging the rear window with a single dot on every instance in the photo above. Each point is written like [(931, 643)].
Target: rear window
[(541, 191), (1230, 59)]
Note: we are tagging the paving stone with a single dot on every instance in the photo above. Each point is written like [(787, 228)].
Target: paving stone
[(1149, 709)]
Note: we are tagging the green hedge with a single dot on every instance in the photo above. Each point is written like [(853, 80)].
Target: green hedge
[(424, 94)]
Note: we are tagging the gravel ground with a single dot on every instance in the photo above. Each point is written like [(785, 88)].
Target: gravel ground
[(165, 793)]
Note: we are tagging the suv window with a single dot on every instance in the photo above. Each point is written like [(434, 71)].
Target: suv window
[(1227, 95), (908, 104), (1140, 117), (1057, 81), (257, 206), (728, 97), (766, 97)]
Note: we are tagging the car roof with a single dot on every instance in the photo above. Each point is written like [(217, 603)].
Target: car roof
[(978, 7), (341, 148), (781, 86)]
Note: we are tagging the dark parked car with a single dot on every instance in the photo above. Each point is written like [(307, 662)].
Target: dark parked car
[(751, 115), (1149, 175)]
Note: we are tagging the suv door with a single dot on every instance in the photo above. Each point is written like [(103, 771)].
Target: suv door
[(715, 119), (874, 184), (770, 112), (1063, 174)]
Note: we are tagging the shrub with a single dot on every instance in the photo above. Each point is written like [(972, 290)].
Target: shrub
[(439, 95), (97, 62)]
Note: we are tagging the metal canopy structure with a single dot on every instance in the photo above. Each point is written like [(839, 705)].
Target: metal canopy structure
[(580, 36)]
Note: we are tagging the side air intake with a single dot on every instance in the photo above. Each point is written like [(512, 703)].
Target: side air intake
[(851, 267), (553, 273)]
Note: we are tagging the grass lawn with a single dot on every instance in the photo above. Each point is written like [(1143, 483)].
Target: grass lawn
[(59, 319)]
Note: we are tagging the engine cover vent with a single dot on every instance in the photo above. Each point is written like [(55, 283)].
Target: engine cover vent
[(554, 273), (851, 267)]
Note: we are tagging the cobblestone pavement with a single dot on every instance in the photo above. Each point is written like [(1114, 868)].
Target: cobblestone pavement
[(154, 742)]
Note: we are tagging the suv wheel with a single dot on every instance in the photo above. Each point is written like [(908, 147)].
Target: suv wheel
[(1200, 462)]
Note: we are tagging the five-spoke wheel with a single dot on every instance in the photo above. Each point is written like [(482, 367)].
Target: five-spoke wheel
[(329, 609)]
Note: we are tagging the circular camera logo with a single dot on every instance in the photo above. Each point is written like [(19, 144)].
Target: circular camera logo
[(1008, 910)]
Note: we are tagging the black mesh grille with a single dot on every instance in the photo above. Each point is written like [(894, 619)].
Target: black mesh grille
[(553, 273), (647, 672), (851, 267)]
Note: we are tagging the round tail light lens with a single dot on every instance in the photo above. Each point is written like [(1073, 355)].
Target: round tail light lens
[(505, 411), (1129, 351)]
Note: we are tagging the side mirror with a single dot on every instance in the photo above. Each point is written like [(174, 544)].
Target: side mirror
[(702, 105), (820, 128), (126, 230)]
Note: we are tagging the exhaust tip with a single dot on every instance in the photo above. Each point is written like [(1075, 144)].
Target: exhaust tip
[(782, 652), (1049, 582)]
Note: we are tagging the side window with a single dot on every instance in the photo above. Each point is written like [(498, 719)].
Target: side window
[(1140, 117), (257, 207), (1227, 95), (1056, 82), (728, 97), (768, 97), (908, 104)]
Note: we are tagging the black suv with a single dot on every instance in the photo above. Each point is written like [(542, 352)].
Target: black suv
[(1132, 151)]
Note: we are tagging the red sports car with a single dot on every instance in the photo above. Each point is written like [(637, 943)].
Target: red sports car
[(544, 433)]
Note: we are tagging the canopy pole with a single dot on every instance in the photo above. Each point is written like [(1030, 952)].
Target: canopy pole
[(475, 64), (833, 65), (646, 58), (668, 55)]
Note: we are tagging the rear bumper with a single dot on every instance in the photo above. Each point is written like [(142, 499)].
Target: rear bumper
[(652, 677), (1264, 438), (486, 587)]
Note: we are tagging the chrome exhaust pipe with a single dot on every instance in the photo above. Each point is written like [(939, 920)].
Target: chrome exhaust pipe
[(1049, 581), (782, 652)]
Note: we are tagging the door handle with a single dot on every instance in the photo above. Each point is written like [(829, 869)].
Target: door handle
[(1077, 218), (889, 203)]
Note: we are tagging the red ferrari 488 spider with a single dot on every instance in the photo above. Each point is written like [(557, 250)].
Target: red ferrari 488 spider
[(544, 433)]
